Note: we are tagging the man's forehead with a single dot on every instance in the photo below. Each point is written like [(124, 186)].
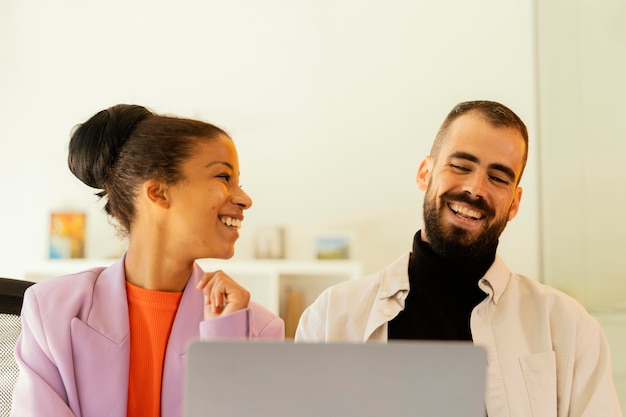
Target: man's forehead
[(474, 130)]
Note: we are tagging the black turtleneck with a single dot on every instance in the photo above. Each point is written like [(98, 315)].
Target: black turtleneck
[(441, 297)]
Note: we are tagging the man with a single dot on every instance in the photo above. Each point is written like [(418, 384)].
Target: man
[(546, 355)]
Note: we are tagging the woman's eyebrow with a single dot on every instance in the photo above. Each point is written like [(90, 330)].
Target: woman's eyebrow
[(210, 164)]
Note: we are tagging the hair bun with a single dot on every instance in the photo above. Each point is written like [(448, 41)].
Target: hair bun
[(96, 143)]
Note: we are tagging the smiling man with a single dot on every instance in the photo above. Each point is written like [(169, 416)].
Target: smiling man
[(546, 355)]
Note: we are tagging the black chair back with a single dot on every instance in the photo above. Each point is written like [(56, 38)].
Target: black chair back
[(11, 296)]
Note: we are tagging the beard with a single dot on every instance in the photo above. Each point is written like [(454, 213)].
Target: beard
[(457, 243)]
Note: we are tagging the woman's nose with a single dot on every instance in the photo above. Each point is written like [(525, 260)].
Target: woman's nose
[(242, 199)]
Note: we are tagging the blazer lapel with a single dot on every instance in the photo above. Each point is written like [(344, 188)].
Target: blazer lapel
[(101, 347), (185, 328)]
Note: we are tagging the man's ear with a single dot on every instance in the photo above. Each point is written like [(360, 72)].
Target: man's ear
[(156, 192), (517, 198), (423, 173)]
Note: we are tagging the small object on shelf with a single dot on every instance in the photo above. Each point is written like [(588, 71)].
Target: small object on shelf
[(269, 243), (294, 306)]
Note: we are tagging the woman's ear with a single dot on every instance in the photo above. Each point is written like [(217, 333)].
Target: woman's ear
[(423, 173), (156, 191)]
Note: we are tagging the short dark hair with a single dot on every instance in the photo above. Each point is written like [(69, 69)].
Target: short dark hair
[(121, 147), (495, 113)]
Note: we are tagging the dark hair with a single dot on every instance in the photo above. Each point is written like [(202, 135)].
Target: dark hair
[(119, 148), (498, 115)]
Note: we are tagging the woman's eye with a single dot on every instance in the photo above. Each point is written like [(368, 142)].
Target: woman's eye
[(225, 177)]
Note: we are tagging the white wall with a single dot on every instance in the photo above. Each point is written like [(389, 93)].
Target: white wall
[(332, 103), (582, 62)]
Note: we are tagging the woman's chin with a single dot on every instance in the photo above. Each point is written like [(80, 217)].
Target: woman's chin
[(226, 254)]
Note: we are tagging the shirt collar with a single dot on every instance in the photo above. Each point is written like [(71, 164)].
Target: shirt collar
[(395, 278), (495, 280)]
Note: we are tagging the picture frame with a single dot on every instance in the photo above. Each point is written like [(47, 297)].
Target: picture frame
[(67, 235), (334, 246)]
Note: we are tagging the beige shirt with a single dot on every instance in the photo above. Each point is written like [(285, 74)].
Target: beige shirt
[(546, 355)]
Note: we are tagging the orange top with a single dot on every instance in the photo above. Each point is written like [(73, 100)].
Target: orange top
[(151, 315)]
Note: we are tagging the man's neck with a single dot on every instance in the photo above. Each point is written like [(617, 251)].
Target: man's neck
[(473, 267)]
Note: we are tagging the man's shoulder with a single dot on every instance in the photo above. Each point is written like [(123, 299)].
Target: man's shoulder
[(366, 283), (540, 289), (394, 274), (551, 298)]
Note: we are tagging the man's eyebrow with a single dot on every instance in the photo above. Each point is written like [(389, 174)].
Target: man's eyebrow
[(498, 167), (464, 155), (210, 164), (505, 170)]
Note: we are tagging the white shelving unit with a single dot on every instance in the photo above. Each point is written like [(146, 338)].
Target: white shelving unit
[(270, 282)]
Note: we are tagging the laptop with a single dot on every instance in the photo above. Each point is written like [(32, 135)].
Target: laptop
[(286, 379)]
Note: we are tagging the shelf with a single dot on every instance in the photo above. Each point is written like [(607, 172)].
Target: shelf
[(285, 287)]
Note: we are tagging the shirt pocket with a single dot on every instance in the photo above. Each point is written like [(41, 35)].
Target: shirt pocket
[(539, 372)]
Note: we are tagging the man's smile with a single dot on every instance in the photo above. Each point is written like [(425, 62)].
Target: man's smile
[(465, 212)]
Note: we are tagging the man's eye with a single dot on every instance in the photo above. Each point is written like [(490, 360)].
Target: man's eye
[(459, 168), (499, 180), (226, 177)]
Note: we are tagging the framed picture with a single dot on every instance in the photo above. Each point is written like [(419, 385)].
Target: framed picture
[(335, 246), (67, 235), (269, 243)]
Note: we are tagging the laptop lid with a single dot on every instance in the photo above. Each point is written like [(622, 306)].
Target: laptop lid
[(286, 379)]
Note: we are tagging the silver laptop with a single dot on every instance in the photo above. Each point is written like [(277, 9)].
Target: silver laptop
[(263, 379)]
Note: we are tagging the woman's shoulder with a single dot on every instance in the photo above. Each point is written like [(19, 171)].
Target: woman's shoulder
[(69, 283), (69, 293)]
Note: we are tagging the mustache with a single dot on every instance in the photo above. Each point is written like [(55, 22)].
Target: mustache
[(476, 203)]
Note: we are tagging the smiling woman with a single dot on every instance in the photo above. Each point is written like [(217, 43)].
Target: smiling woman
[(113, 338)]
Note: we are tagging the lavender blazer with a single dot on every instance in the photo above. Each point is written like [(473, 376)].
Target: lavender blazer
[(74, 348)]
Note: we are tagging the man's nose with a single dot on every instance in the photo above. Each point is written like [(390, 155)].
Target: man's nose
[(476, 185)]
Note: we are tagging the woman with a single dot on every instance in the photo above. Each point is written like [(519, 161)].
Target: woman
[(111, 341)]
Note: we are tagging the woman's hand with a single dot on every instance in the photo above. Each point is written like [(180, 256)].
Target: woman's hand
[(222, 295)]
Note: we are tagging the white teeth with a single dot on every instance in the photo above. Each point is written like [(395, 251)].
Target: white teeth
[(229, 221), (465, 211)]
